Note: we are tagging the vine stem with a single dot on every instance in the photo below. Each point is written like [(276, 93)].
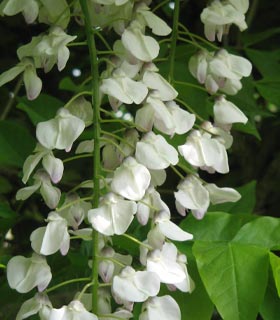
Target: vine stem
[(96, 137), (174, 40), (12, 99)]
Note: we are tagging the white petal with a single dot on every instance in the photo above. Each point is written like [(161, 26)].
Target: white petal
[(26, 192), (54, 167), (163, 308), (225, 112), (221, 195), (173, 232), (155, 81), (155, 153), (26, 273), (11, 74), (33, 84), (145, 48), (182, 119), (158, 26), (113, 216), (191, 194), (48, 240), (131, 179), (135, 286), (50, 194)]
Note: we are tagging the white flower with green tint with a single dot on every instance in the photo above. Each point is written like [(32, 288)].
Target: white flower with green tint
[(24, 274)]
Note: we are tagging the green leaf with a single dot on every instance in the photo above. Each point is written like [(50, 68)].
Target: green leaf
[(195, 305), (16, 143), (267, 62), (245, 205), (41, 109), (7, 217), (275, 266), (235, 277), (68, 85), (215, 226), (263, 232), (269, 90), (250, 39), (5, 185), (270, 308)]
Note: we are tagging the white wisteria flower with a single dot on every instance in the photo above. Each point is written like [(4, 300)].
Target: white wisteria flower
[(154, 81), (164, 308), (182, 119), (219, 70), (192, 195), (50, 194), (206, 152), (29, 9), (60, 132), (48, 50), (113, 216), (170, 229), (135, 286), (48, 240), (150, 204), (75, 310), (124, 89), (144, 48), (146, 17), (164, 263), (53, 166), (155, 152), (195, 196), (32, 83), (131, 179), (40, 303), (219, 15), (226, 112), (24, 274), (187, 285), (220, 195), (111, 263), (76, 212)]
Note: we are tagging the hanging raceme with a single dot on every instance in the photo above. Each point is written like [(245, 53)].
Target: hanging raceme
[(129, 163)]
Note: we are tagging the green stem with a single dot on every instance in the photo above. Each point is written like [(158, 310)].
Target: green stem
[(190, 109), (77, 44), (72, 203), (177, 172), (191, 42), (252, 12), (84, 290), (88, 155), (96, 137), (188, 84), (66, 283), (83, 93), (137, 241), (11, 100), (162, 3), (174, 41)]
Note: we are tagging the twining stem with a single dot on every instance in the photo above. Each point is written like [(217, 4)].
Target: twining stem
[(174, 40), (96, 137), (66, 283)]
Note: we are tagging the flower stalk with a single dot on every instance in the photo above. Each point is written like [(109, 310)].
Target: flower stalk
[(96, 136)]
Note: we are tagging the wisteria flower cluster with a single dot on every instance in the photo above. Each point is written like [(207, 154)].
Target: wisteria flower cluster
[(133, 165)]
